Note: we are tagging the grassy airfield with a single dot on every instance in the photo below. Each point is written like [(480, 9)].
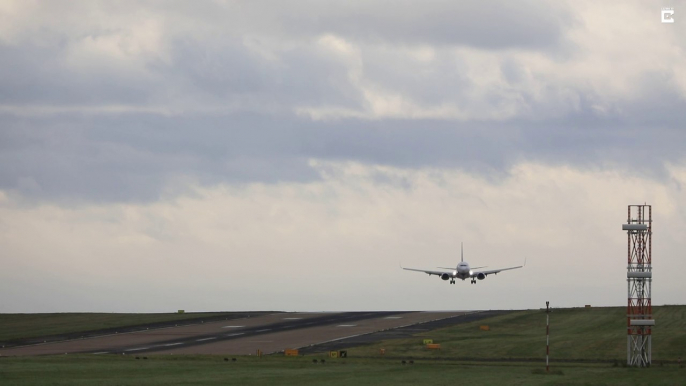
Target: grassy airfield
[(588, 347), (576, 334), (278, 370)]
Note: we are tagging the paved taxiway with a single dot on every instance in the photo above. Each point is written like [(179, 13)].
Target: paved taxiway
[(269, 333)]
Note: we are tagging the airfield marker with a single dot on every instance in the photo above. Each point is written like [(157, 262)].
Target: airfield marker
[(547, 334)]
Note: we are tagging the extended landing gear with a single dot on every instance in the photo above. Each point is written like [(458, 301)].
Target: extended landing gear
[(473, 281), (452, 281)]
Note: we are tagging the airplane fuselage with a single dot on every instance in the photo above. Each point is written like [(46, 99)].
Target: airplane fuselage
[(462, 271)]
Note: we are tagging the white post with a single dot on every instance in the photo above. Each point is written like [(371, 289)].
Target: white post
[(547, 334)]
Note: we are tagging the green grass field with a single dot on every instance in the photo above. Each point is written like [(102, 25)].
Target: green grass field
[(212, 370), (24, 326), (510, 353), (575, 334)]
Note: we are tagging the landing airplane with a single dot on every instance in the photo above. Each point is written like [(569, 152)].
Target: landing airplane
[(462, 271)]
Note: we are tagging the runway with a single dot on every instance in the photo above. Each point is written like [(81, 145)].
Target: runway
[(269, 333)]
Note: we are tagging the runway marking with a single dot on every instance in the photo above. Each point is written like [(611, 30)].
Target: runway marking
[(347, 325), (173, 344), (236, 334), (292, 318), (233, 326), (266, 329), (204, 339), (101, 352), (137, 349)]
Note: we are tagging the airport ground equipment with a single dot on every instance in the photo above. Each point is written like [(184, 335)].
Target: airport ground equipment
[(639, 277)]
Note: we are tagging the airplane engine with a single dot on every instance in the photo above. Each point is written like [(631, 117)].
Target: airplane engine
[(445, 276), (480, 276)]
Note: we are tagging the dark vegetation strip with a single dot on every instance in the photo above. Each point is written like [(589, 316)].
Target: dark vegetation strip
[(120, 323), (614, 362)]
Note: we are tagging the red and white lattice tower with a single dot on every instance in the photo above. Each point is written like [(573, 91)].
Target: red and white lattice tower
[(639, 277)]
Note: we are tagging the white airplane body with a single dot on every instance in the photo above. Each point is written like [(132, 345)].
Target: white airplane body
[(463, 271)]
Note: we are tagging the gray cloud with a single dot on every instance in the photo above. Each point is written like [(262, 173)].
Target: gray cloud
[(135, 157), (38, 75), (221, 88), (528, 24), (203, 48), (301, 75)]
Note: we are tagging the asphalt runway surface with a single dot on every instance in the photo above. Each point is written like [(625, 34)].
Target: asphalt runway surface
[(269, 333)]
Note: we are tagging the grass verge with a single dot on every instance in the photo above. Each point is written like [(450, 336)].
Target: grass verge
[(213, 370), (592, 334)]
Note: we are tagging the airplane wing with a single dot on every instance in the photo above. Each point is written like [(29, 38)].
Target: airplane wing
[(438, 273), (495, 271)]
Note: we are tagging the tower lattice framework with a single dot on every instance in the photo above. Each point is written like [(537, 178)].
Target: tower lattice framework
[(639, 275)]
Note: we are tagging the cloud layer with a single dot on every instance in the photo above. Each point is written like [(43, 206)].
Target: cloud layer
[(144, 145), (335, 244)]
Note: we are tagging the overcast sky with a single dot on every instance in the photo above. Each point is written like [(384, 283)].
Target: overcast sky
[(290, 155)]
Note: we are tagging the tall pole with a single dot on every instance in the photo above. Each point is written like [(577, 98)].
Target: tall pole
[(547, 334)]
